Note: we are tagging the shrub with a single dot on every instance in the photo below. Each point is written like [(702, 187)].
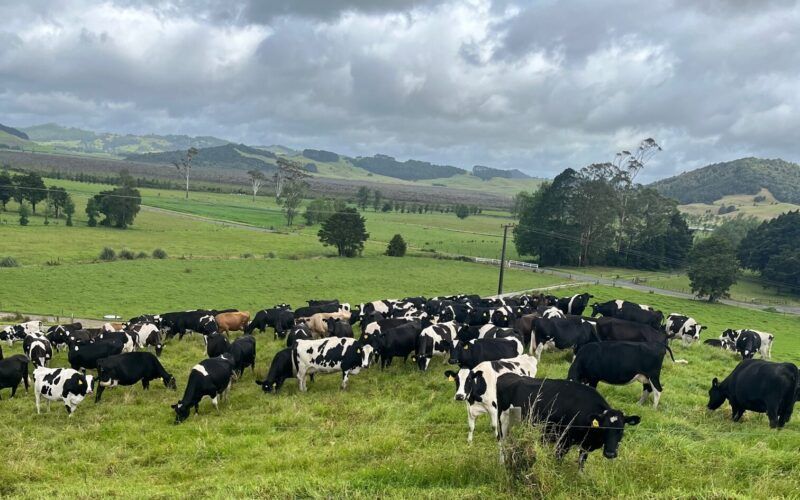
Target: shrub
[(53, 263), (108, 254), (270, 255), (397, 247), (142, 255), (9, 262), (23, 214), (159, 254), (247, 255), (126, 254)]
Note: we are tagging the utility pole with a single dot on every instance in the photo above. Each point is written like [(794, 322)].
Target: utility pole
[(503, 257)]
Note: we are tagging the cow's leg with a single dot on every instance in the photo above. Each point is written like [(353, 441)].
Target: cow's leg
[(736, 413), (69, 409), (646, 389), (215, 402), (37, 396), (471, 423), (301, 379), (145, 384), (345, 374), (657, 388), (48, 406), (14, 390), (197, 408), (100, 389), (582, 456), (227, 393)]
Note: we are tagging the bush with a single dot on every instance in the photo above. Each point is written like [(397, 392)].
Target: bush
[(108, 254), (142, 255), (247, 255), (126, 254), (9, 262), (23, 214), (270, 255), (397, 247), (53, 263), (159, 254)]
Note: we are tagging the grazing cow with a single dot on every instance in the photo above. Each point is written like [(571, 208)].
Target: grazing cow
[(58, 334), (147, 335), (243, 352), (764, 344), (574, 305), (380, 326), (206, 326), (126, 340), (307, 312), (478, 386), (298, 332), (725, 344), (210, 377), (570, 414), (629, 311), (470, 354), (279, 318), (318, 323), (339, 328), (561, 333), (629, 331), (280, 369), (145, 318), (435, 340), (38, 349), (683, 327), (65, 384), (620, 363), (760, 386), (399, 342), (232, 321), (178, 323), (86, 356), (217, 345), (328, 356), (129, 368), (13, 370), (20, 331)]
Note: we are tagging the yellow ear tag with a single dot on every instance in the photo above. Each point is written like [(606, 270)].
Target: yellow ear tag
[(450, 378), (595, 423), (358, 350), (80, 382), (466, 347), (275, 385)]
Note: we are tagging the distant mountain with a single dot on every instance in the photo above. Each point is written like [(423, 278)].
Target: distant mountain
[(278, 149), (321, 155), (229, 156), (743, 176), (487, 173), (12, 131), (409, 170), (86, 141)]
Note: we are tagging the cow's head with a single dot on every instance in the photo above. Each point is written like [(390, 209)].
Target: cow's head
[(181, 412), (458, 352), (692, 333), (462, 381), (595, 309), (365, 351), (500, 318), (729, 334), (716, 395), (169, 382), (612, 424)]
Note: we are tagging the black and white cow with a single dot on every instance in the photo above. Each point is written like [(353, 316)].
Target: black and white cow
[(210, 377), (629, 331), (553, 312), (243, 351), (13, 333), (128, 369), (281, 368), (147, 335), (299, 332), (83, 357), (683, 327), (561, 333), (724, 344), (13, 370), (435, 340), (574, 305), (217, 345), (570, 414), (477, 387), (61, 384), (760, 386), (380, 326), (38, 349), (58, 334), (620, 363), (125, 339), (629, 311), (746, 343), (470, 354), (329, 355), (331, 307)]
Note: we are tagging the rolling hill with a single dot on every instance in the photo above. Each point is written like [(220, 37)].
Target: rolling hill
[(228, 156), (75, 140), (746, 176), (11, 138)]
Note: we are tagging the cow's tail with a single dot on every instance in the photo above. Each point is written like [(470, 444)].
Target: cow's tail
[(676, 361)]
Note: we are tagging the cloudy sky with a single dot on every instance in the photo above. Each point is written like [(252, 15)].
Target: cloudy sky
[(535, 85)]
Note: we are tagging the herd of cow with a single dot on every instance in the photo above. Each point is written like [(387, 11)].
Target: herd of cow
[(486, 338)]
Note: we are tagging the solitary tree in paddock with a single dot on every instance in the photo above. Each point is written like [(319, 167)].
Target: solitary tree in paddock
[(184, 166), (344, 230), (713, 268), (291, 197), (257, 179), (396, 247)]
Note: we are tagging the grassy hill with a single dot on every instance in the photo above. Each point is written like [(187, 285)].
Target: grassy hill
[(228, 156), (77, 140), (762, 205), (744, 176)]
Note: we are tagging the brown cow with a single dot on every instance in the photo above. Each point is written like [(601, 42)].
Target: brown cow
[(112, 327), (318, 323), (524, 325), (232, 321)]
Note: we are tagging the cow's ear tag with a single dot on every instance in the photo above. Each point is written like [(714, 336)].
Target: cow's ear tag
[(450, 378), (595, 423), (275, 385), (358, 350), (466, 347), (80, 382)]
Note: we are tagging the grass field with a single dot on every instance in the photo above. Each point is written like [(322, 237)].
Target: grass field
[(396, 433), (767, 209)]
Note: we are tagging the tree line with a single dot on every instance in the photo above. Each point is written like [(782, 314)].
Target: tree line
[(29, 189)]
